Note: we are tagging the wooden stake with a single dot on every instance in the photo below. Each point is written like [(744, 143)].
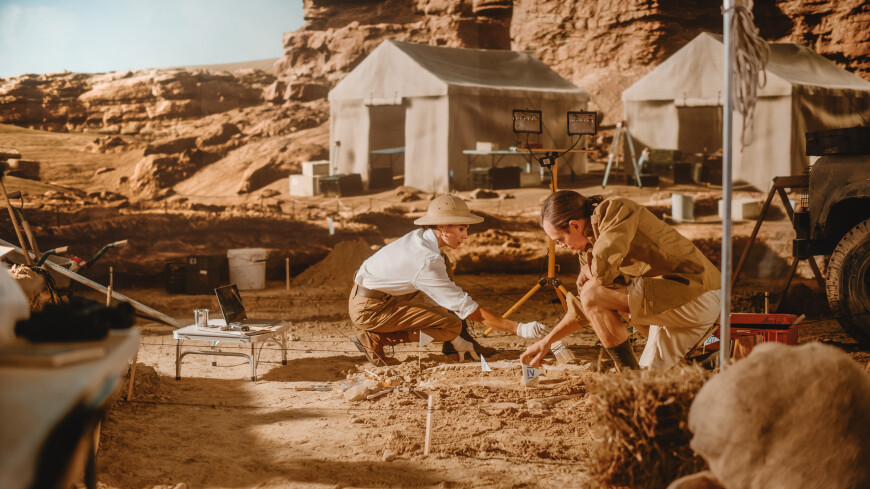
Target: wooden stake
[(109, 288), (428, 424), (132, 376), (287, 266)]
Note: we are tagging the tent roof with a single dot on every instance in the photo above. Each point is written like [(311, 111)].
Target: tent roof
[(695, 73), (402, 69)]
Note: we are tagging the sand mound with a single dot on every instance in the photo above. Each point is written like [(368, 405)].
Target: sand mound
[(146, 384), (338, 268)]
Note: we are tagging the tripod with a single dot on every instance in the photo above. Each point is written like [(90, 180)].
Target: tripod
[(548, 162)]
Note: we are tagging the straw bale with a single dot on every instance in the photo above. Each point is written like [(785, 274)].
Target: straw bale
[(786, 417), (641, 427)]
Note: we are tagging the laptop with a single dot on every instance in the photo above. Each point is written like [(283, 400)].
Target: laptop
[(234, 312)]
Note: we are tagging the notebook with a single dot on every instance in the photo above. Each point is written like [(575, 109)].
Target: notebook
[(230, 302)]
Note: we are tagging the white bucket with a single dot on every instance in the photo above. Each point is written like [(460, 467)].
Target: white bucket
[(683, 207), (248, 268)]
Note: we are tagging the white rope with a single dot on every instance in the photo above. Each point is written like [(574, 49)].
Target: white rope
[(750, 53)]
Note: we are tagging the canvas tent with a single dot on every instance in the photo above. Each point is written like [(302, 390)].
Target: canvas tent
[(436, 102), (678, 105)]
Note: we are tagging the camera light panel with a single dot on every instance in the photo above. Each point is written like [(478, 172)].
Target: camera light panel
[(582, 123), (527, 121)]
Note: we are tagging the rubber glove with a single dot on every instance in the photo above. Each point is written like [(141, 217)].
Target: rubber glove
[(464, 346), (532, 330)]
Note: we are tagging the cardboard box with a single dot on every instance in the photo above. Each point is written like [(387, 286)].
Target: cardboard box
[(315, 168), (745, 209), (304, 185), (530, 179)]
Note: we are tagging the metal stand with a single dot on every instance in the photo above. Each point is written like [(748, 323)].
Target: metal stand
[(779, 186), (621, 128), (550, 279)]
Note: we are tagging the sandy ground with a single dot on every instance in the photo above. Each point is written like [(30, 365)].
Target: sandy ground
[(216, 428)]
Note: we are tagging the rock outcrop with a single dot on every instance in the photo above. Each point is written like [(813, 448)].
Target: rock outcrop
[(601, 45), (339, 34), (128, 102)]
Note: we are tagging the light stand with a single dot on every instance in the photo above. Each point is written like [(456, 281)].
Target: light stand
[(529, 122)]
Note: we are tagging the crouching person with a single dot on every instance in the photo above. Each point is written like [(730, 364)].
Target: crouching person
[(633, 263), (388, 299)]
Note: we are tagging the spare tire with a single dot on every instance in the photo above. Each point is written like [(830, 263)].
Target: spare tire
[(848, 282)]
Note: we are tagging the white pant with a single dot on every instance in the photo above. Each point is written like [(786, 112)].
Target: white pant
[(673, 332)]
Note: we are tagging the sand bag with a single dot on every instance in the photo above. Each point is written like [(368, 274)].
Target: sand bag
[(786, 417)]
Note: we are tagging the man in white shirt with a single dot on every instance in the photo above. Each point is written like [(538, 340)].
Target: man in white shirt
[(386, 300)]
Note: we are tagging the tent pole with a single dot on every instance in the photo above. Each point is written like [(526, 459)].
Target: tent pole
[(725, 316)]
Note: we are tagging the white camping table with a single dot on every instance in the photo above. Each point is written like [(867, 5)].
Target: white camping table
[(215, 337), (36, 400)]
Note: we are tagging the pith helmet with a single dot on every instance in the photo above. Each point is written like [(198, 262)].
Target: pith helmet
[(448, 209)]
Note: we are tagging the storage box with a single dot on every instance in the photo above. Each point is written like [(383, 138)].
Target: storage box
[(315, 168), (665, 156), (342, 185), (203, 273), (486, 146), (530, 179), (675, 172), (507, 177), (778, 328), (646, 180), (175, 277), (381, 178), (743, 209), (304, 185)]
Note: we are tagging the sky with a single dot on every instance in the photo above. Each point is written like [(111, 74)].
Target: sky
[(95, 36)]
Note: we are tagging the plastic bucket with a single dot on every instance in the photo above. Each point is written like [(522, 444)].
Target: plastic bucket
[(248, 268), (682, 207)]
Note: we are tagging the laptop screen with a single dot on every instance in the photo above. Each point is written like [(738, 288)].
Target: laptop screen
[(231, 303)]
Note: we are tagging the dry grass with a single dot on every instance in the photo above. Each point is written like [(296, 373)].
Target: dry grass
[(640, 427)]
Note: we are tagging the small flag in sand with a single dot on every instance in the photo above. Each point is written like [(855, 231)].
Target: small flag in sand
[(425, 339), (483, 365), (530, 376)]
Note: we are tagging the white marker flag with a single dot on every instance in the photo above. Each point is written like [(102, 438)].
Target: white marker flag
[(483, 365), (530, 376), (425, 339)]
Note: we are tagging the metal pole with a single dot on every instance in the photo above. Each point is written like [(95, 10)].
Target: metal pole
[(725, 314)]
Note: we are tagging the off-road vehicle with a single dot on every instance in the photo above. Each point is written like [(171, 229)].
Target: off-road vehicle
[(834, 219)]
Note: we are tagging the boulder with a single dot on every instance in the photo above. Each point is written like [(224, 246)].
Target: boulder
[(156, 172), (171, 146), (218, 135), (786, 417), (261, 173)]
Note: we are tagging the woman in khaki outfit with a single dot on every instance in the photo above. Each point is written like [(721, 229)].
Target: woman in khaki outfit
[(632, 263), (388, 299)]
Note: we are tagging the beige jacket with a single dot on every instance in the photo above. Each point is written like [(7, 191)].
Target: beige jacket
[(632, 242)]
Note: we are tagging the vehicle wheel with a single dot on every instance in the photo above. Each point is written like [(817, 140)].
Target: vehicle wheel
[(848, 283)]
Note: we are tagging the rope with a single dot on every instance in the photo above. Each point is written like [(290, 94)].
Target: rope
[(750, 54)]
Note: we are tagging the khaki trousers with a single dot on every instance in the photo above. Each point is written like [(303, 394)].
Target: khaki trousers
[(393, 313)]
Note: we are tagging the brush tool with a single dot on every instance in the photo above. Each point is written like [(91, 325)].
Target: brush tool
[(562, 353)]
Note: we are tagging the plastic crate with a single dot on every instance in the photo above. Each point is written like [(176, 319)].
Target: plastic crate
[(777, 328), (175, 276)]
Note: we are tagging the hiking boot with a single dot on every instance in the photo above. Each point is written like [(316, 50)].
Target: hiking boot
[(450, 351), (372, 346)]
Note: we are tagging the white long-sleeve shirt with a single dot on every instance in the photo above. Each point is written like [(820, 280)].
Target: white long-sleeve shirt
[(414, 263)]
